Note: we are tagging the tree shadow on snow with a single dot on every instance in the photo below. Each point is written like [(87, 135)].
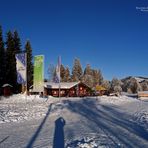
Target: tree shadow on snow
[(116, 125), (58, 141), (34, 137)]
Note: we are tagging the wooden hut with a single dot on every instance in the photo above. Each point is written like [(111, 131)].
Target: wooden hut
[(67, 89), (100, 90), (7, 90), (143, 95)]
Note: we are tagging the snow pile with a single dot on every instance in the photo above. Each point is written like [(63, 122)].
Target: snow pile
[(86, 142), (20, 107), (115, 100)]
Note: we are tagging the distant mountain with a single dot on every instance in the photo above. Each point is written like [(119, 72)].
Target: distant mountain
[(140, 79)]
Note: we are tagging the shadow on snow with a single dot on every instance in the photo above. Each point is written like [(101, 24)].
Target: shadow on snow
[(58, 141), (34, 137), (116, 125)]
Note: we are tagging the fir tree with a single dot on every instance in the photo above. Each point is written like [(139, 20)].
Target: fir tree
[(62, 72), (100, 77), (134, 86), (11, 74), (88, 76), (106, 84), (88, 80), (88, 70), (67, 75), (96, 77), (144, 86), (17, 46), (2, 60), (28, 50), (116, 85), (77, 70), (17, 42)]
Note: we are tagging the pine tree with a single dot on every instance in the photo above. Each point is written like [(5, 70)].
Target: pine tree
[(77, 70), (96, 78), (17, 46), (67, 75), (116, 85), (28, 50), (62, 72), (88, 80), (88, 76), (100, 77), (17, 42), (134, 86), (88, 70), (2, 60), (11, 74), (106, 84), (144, 86)]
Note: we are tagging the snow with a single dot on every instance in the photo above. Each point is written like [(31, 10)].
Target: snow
[(64, 85), (89, 122)]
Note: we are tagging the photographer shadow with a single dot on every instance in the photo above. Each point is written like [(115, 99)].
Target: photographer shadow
[(58, 141)]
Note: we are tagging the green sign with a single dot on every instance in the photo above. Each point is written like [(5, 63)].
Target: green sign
[(38, 83)]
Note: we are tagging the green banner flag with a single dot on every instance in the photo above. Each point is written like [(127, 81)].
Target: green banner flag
[(38, 83)]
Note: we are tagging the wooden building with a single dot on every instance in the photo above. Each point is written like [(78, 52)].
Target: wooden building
[(67, 89), (143, 95), (7, 90), (100, 90)]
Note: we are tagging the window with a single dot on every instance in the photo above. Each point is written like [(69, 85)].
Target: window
[(62, 92)]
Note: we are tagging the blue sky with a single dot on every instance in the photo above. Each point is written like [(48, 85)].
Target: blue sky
[(111, 35)]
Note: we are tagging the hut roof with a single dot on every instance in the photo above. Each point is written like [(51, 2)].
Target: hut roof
[(64, 85), (100, 88), (7, 85)]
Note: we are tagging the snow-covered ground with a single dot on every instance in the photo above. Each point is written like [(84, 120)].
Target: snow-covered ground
[(90, 122)]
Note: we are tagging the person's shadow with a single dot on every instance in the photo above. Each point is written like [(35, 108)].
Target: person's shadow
[(58, 141)]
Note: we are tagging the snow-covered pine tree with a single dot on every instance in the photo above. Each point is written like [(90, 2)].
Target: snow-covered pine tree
[(67, 75), (144, 86), (88, 70), (62, 72), (76, 70), (97, 76), (88, 76), (134, 86), (116, 85), (106, 84)]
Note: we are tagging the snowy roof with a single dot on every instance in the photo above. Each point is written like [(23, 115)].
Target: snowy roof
[(142, 92), (7, 85), (64, 85)]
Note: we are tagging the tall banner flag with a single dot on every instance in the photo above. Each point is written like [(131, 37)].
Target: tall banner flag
[(21, 68), (38, 82)]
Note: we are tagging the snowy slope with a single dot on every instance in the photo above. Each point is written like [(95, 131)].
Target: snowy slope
[(89, 122)]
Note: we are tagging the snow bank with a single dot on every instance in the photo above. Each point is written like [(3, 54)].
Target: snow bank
[(20, 107)]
